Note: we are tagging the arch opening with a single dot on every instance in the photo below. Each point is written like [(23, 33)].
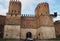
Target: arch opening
[(28, 35)]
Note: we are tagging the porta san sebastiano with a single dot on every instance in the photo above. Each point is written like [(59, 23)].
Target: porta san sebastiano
[(20, 26)]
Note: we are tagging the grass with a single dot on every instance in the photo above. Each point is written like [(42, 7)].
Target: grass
[(1, 39), (54, 39)]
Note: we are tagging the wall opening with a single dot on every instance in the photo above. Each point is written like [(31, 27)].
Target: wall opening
[(28, 35)]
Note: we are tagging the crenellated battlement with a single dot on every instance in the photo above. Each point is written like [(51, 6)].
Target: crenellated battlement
[(42, 4), (14, 0), (27, 15)]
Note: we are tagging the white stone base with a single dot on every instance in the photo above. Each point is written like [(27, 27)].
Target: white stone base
[(12, 31), (46, 32), (26, 30)]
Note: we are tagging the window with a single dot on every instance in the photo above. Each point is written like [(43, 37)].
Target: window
[(15, 10), (41, 13), (11, 14), (39, 34), (46, 12), (6, 34), (15, 14), (44, 5), (12, 3), (12, 10), (18, 11)]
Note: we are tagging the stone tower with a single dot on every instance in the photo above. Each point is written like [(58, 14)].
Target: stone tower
[(13, 20), (46, 28)]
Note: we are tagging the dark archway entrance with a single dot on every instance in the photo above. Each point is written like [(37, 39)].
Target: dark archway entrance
[(28, 35)]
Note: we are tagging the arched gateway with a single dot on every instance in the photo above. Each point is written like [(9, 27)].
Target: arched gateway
[(28, 35)]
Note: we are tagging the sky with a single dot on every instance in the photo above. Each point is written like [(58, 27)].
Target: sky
[(28, 6)]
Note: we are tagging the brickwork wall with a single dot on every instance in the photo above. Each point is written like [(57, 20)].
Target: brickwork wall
[(12, 31), (43, 14), (45, 32), (13, 20), (28, 22), (45, 22), (14, 13), (24, 31), (57, 28), (2, 20)]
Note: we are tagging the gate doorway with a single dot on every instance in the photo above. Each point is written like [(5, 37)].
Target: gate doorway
[(28, 35)]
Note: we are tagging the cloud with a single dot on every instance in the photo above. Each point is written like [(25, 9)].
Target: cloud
[(2, 10), (3, 7), (57, 18), (28, 6)]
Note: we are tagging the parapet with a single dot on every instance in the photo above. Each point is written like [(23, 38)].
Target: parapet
[(27, 15), (42, 4), (15, 1)]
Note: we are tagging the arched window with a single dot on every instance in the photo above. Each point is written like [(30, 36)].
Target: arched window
[(12, 10)]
